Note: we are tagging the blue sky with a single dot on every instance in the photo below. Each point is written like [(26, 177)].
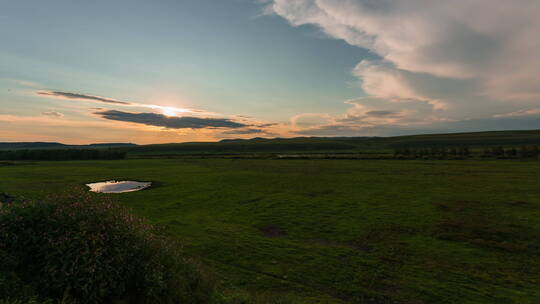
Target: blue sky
[(274, 68)]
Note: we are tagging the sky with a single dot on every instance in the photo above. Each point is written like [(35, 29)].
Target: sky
[(163, 71)]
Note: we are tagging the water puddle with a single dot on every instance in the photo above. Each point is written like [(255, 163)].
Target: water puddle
[(118, 186)]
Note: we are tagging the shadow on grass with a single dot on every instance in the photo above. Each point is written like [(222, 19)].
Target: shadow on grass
[(487, 225)]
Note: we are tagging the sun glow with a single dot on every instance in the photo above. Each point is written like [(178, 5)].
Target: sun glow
[(168, 112)]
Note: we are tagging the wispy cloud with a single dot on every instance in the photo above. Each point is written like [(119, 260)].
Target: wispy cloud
[(171, 122), (530, 122), (519, 113), (244, 131), (170, 111), (171, 118), (22, 83), (53, 114), (46, 128), (78, 96), (267, 125), (382, 113)]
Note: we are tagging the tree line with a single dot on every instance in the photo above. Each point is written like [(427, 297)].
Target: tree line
[(65, 154), (523, 152)]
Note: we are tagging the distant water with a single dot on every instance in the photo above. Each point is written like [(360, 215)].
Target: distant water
[(118, 186)]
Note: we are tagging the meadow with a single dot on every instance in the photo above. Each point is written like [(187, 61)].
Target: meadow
[(334, 231)]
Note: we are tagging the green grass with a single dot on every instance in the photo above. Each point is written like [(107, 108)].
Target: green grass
[(336, 231)]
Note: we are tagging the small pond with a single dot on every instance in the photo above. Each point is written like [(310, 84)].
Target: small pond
[(118, 186)]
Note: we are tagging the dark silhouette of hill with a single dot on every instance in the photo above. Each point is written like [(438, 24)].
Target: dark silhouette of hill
[(344, 144), (57, 146), (307, 144)]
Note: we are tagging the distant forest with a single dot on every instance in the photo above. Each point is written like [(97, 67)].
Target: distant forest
[(523, 152), (64, 154), (496, 144)]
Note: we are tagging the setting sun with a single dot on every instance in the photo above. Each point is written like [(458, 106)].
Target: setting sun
[(168, 112)]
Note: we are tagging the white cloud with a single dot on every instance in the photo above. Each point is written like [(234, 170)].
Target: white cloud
[(465, 58), (459, 38), (383, 81)]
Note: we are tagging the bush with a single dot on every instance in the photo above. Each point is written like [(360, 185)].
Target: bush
[(19, 301), (82, 249), (11, 286)]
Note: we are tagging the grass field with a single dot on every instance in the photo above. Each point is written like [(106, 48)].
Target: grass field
[(335, 231)]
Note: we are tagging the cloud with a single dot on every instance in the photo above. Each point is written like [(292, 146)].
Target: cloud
[(53, 114), (84, 97), (530, 122), (46, 128), (20, 83), (382, 80), (458, 38), (334, 130), (244, 131), (380, 111), (383, 113), (169, 117), (170, 111), (310, 119), (520, 113), (368, 116), (170, 122), (465, 59), (267, 125)]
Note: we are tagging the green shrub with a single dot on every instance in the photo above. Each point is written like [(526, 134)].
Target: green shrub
[(12, 289), (18, 301), (32, 300), (11, 286), (82, 249)]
